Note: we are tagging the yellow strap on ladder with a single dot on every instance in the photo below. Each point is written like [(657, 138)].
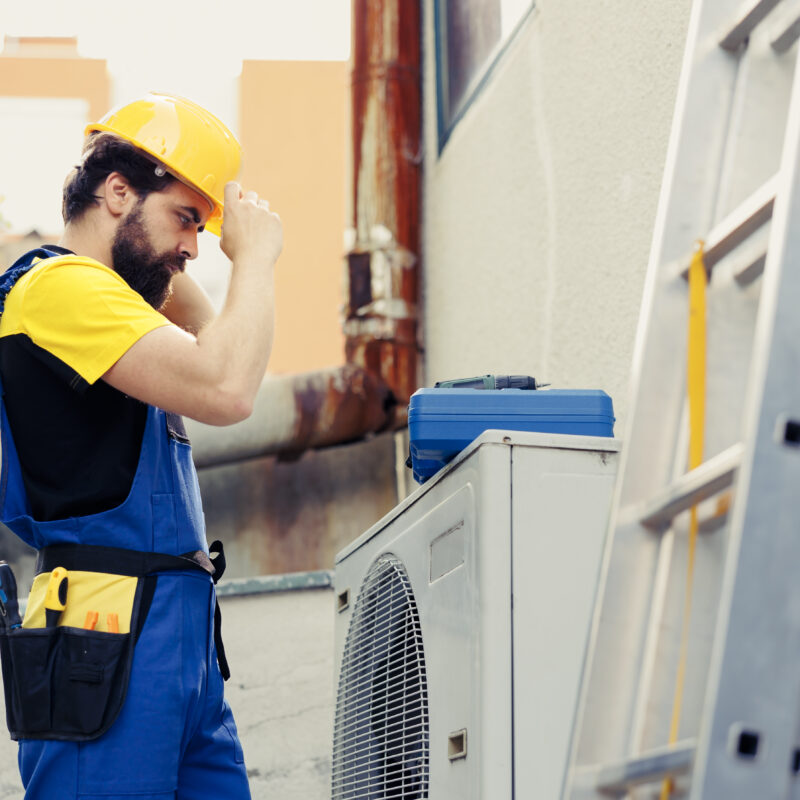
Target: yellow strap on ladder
[(696, 380)]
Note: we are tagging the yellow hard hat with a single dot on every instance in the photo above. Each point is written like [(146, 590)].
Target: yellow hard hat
[(188, 140)]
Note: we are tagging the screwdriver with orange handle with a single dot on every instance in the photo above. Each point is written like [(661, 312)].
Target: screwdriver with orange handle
[(112, 622)]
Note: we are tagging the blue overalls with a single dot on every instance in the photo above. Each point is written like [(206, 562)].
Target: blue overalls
[(175, 736)]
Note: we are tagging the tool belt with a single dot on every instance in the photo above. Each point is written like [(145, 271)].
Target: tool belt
[(69, 683)]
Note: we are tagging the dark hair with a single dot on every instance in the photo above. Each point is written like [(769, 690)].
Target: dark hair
[(104, 153)]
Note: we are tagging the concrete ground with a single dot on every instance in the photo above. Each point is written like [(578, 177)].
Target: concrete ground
[(280, 649)]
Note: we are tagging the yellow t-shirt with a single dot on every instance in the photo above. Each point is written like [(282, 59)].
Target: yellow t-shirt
[(80, 311)]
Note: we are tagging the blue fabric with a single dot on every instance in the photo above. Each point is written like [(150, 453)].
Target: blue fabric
[(175, 736)]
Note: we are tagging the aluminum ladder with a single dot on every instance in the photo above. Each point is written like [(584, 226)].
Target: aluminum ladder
[(732, 179)]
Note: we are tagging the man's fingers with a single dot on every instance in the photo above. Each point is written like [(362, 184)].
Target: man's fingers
[(232, 191)]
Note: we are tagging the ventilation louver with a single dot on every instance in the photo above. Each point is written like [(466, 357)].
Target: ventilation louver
[(380, 746)]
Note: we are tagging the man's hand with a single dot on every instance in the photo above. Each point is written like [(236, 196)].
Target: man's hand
[(250, 231)]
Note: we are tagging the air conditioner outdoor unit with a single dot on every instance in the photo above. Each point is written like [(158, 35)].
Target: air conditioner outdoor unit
[(462, 623)]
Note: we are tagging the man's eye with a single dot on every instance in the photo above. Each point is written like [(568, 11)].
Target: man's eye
[(184, 220)]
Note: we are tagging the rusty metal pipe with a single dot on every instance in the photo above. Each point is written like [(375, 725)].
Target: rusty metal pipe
[(371, 391), (296, 412), (382, 266)]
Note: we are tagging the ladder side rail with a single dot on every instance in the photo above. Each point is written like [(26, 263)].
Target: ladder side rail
[(747, 737)]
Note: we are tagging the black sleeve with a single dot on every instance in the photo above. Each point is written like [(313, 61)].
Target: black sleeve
[(28, 350)]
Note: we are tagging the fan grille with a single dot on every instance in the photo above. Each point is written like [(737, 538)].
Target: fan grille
[(380, 744)]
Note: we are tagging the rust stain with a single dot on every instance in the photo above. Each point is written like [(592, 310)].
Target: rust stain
[(381, 324), (339, 405)]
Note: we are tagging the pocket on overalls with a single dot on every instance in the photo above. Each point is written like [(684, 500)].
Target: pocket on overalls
[(69, 681), (165, 523)]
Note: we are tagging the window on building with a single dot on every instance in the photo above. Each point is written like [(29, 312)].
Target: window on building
[(470, 36)]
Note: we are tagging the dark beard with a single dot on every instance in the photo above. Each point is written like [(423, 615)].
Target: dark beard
[(137, 263)]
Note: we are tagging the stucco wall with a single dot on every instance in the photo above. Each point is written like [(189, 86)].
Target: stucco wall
[(538, 212)]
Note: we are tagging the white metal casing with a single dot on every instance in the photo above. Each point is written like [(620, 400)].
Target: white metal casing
[(502, 549)]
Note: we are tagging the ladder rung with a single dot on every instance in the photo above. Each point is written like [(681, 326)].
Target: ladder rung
[(749, 273), (715, 521), (784, 40), (695, 486), (746, 24), (742, 222), (616, 780)]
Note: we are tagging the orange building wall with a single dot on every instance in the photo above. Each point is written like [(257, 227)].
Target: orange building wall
[(38, 71), (293, 128)]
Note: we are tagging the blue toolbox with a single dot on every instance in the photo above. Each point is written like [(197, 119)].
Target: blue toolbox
[(443, 421)]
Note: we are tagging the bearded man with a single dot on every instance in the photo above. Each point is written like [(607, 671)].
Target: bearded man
[(114, 679)]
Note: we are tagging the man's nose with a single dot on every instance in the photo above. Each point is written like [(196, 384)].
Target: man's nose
[(188, 246)]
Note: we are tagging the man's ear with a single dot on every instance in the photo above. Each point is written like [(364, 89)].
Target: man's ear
[(119, 196)]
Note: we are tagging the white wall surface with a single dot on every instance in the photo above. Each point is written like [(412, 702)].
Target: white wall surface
[(41, 136), (538, 213), (280, 650)]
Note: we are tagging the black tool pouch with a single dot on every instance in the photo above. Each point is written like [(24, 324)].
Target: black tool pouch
[(70, 683), (63, 682)]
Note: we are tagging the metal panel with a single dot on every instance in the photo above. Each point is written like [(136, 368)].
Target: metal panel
[(561, 501), (449, 613)]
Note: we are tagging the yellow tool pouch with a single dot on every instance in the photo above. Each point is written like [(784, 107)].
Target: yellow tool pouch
[(67, 681), (90, 593)]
